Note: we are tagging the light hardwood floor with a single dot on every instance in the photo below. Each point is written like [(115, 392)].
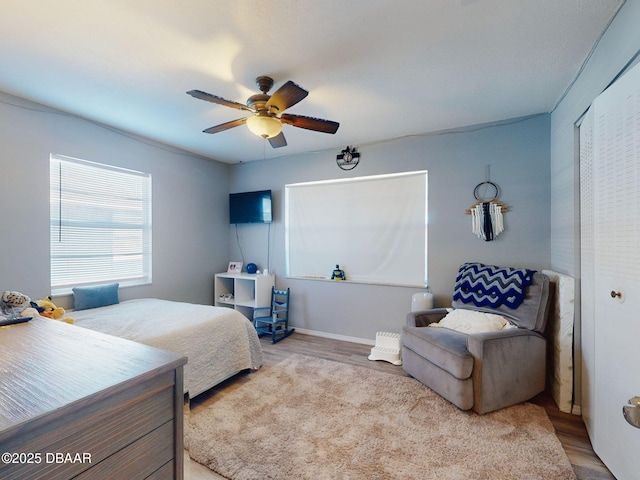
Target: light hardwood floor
[(569, 428)]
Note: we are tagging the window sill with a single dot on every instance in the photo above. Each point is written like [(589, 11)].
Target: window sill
[(63, 292), (358, 282)]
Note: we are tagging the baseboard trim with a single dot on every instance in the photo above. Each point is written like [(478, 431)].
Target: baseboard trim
[(333, 336)]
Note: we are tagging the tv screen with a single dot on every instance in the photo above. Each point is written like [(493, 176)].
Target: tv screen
[(250, 207)]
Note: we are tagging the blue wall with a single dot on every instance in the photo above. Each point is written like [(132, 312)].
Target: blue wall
[(517, 152), (190, 231)]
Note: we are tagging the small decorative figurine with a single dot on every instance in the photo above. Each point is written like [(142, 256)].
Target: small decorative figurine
[(338, 274)]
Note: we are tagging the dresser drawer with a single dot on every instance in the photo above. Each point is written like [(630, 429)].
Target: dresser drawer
[(165, 472), (101, 429), (156, 448)]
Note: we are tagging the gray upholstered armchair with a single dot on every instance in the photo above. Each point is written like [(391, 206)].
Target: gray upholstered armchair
[(489, 370)]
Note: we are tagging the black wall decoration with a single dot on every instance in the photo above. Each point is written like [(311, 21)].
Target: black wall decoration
[(348, 158)]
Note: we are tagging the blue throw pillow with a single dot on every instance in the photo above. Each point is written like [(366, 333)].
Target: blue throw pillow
[(95, 296)]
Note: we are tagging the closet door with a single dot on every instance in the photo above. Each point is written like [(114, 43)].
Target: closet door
[(616, 268)]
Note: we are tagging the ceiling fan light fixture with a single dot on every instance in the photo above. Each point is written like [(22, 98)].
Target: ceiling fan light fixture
[(264, 126)]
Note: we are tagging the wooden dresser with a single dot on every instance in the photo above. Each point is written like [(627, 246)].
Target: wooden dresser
[(75, 403)]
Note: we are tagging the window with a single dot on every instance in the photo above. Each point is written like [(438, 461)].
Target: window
[(100, 224), (374, 227)]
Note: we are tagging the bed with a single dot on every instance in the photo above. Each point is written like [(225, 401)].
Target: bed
[(218, 342)]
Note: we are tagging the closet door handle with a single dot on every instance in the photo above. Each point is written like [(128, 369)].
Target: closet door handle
[(631, 412), (618, 295)]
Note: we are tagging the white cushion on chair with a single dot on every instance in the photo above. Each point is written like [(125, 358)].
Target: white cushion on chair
[(471, 321)]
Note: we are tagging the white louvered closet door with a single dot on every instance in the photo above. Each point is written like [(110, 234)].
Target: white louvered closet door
[(616, 269)]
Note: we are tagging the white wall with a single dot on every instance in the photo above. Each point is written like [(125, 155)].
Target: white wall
[(190, 194), (518, 155), (617, 47)]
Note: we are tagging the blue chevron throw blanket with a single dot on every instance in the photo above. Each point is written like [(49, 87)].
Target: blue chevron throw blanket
[(488, 286)]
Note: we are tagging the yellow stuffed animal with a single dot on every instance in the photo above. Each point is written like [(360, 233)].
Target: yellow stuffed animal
[(50, 310)]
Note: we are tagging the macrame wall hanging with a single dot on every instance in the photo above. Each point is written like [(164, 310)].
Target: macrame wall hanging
[(486, 214)]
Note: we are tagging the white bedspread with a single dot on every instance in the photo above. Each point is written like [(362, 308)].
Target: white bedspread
[(218, 342)]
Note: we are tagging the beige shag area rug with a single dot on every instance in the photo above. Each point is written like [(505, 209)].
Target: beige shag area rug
[(308, 418)]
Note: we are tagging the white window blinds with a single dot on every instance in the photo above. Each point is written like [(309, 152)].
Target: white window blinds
[(374, 227), (100, 224)]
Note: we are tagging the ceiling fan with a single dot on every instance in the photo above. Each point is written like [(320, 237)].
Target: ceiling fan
[(268, 112)]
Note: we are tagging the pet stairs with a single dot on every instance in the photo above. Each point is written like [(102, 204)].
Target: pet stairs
[(387, 348)]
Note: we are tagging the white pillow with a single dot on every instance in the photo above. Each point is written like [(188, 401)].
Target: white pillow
[(471, 321)]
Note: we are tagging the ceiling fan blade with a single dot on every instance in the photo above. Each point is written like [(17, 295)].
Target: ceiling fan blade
[(278, 141), (226, 126), (219, 100), (286, 96), (310, 123)]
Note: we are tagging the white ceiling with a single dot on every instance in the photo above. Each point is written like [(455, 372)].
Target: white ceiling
[(382, 69)]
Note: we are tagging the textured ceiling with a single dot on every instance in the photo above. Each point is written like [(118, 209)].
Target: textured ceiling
[(382, 69)]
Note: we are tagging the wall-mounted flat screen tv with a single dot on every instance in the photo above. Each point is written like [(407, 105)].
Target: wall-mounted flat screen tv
[(250, 207)]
